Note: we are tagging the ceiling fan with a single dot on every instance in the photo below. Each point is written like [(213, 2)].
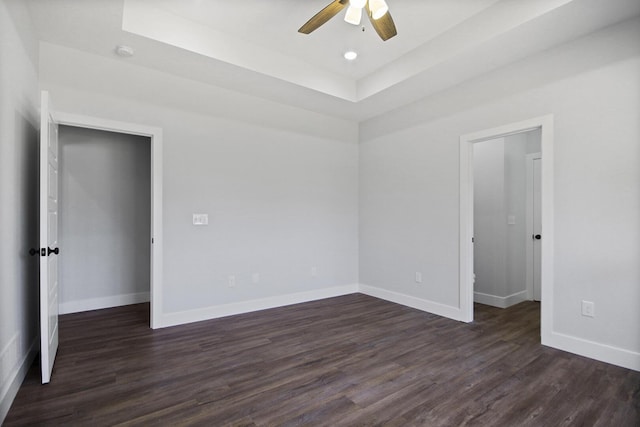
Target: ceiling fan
[(376, 10)]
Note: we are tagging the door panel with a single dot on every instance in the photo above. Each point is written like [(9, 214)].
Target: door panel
[(48, 239), (537, 228)]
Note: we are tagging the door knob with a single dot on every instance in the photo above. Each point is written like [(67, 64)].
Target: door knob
[(537, 237), (34, 251), (55, 251)]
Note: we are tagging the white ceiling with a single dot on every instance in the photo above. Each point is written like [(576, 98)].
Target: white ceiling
[(253, 46), (272, 25)]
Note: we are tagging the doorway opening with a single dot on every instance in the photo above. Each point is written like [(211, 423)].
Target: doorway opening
[(153, 217), (468, 232), (506, 264), (105, 219)]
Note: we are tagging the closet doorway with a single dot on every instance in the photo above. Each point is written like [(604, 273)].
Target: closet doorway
[(105, 219), (113, 160)]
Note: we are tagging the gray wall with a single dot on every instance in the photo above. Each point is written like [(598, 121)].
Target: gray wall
[(105, 205), (489, 225), (279, 183), (409, 170), (19, 123)]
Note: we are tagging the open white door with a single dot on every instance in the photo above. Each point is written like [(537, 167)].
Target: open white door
[(48, 238), (537, 229)]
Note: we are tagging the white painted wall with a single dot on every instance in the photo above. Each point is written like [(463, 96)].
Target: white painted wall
[(279, 184), (489, 225), (409, 175), (515, 179), (19, 123), (105, 227)]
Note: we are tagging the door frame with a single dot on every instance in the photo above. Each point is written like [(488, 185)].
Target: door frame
[(545, 124), (155, 134), (529, 220)]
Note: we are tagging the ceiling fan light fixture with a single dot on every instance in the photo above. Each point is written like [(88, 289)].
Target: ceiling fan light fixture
[(353, 15), (377, 13), (378, 8)]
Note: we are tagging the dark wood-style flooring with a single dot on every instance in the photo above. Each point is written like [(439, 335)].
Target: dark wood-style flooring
[(347, 361)]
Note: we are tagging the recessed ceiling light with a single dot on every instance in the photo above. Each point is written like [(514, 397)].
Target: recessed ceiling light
[(350, 55), (124, 51)]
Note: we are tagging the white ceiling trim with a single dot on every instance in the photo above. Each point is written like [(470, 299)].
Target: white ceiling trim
[(486, 20), (464, 38), (169, 36), (141, 18)]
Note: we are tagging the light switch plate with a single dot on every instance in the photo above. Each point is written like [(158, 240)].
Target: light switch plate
[(200, 219)]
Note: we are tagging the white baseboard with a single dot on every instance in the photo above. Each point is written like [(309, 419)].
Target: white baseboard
[(214, 312), (410, 301), (500, 302), (602, 352), (593, 350), (10, 387), (104, 302)]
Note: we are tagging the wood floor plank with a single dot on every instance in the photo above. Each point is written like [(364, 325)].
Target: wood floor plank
[(351, 360)]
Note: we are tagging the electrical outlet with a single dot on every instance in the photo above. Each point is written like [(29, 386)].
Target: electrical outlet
[(314, 271), (255, 277), (418, 277), (588, 308), (232, 281)]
